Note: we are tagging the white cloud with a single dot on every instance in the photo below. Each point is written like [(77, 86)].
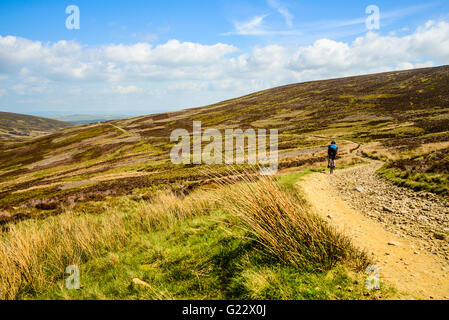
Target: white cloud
[(171, 53), (187, 53), (128, 89), (251, 27), (256, 27), (375, 51), (174, 70), (140, 52), (282, 9)]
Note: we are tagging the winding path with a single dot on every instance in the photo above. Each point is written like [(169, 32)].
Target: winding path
[(395, 225)]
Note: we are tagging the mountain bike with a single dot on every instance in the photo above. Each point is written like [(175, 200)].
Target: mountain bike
[(332, 166)]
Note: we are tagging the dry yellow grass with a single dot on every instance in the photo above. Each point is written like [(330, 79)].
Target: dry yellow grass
[(35, 253), (168, 209), (287, 228)]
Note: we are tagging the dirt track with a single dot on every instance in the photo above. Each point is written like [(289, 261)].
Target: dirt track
[(409, 256)]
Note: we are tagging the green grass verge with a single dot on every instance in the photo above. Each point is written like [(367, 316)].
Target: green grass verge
[(418, 181), (289, 180), (204, 258)]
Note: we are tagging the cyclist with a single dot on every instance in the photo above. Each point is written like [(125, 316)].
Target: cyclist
[(332, 152)]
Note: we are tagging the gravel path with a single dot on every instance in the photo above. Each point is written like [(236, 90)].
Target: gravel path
[(405, 232), (403, 211)]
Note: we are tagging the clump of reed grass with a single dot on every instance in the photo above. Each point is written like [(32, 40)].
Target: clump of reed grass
[(34, 254), (288, 229)]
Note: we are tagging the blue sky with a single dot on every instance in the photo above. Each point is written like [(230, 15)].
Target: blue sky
[(140, 57)]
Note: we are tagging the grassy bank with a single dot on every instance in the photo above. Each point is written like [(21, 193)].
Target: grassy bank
[(418, 181), (251, 240), (428, 172)]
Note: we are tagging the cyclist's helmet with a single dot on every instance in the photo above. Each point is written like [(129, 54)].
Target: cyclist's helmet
[(333, 142)]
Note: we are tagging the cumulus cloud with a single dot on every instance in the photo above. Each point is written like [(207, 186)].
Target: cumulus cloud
[(72, 61), (171, 53), (173, 70), (374, 51), (139, 52)]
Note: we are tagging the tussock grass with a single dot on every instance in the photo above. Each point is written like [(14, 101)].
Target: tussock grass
[(168, 209), (34, 254), (288, 229)]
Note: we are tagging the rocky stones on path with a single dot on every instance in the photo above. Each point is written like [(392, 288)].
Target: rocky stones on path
[(401, 211), (394, 243), (439, 236)]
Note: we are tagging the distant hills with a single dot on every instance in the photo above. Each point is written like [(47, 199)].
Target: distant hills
[(401, 117), (14, 125), (86, 118)]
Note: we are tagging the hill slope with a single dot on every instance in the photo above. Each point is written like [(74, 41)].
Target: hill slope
[(175, 246), (14, 125), (392, 116)]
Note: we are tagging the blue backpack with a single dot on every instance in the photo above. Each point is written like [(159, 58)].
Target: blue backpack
[(332, 150)]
